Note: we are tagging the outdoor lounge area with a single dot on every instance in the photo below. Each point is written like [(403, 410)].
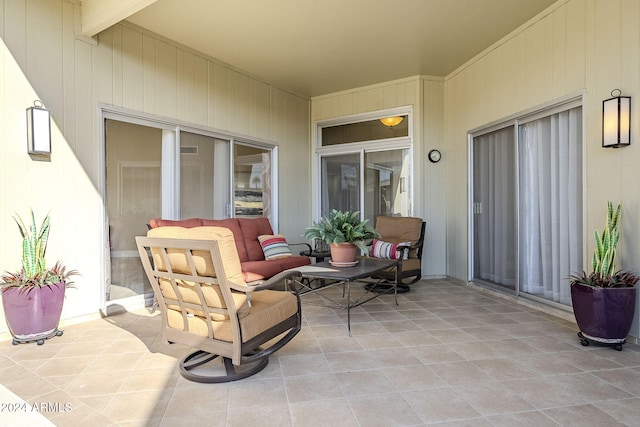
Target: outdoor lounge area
[(488, 121), (448, 353)]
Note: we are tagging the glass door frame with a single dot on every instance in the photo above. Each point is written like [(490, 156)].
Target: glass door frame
[(360, 148), (544, 110), (513, 124), (170, 170)]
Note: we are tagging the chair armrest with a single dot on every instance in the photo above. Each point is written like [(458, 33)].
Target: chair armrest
[(265, 284), (302, 244), (404, 249)]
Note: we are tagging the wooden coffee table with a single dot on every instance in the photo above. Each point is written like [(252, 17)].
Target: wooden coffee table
[(323, 275)]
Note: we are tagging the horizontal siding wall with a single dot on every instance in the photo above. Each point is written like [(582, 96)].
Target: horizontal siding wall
[(426, 96), (576, 46), (40, 58)]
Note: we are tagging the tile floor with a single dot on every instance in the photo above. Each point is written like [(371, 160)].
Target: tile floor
[(448, 354)]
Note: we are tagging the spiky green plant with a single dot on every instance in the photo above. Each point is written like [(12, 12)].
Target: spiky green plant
[(604, 274), (604, 254), (341, 227), (34, 245), (619, 279), (34, 271)]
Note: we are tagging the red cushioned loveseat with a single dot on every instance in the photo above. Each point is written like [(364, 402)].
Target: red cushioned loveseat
[(245, 233)]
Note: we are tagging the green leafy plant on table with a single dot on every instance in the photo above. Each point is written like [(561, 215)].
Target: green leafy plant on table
[(342, 227)]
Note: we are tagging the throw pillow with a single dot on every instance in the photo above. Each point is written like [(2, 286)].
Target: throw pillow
[(274, 246), (380, 249)]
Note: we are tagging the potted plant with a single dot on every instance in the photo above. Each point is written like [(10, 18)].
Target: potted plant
[(32, 297), (604, 300), (345, 233)]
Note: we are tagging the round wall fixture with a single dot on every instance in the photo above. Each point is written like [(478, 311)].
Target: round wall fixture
[(434, 156)]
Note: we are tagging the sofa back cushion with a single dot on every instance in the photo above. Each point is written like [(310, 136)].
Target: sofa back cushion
[(245, 232), (187, 223), (233, 225), (251, 229)]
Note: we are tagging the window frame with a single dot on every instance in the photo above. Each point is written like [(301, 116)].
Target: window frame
[(514, 121), (171, 129), (362, 147)]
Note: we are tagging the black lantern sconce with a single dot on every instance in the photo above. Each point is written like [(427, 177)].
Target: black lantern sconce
[(38, 129), (616, 120)]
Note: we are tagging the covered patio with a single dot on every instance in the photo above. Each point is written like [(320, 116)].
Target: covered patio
[(448, 353)]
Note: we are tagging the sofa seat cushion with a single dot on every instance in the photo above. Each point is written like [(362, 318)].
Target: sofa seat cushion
[(259, 270)]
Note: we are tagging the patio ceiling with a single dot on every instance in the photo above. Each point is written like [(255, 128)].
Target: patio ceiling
[(313, 47)]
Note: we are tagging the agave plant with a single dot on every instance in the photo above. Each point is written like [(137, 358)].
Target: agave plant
[(605, 252), (34, 271), (341, 227), (619, 279), (604, 273)]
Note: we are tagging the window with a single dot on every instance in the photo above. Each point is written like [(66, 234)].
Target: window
[(252, 181), (365, 166), (368, 130)]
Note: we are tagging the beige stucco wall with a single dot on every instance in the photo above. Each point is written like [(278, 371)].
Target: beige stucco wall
[(41, 58), (576, 46)]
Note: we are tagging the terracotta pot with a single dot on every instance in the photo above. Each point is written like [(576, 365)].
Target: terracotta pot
[(343, 252), (603, 314), (33, 314)]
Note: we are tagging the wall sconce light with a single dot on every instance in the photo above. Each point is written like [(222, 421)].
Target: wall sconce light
[(38, 129), (616, 120), (391, 121)]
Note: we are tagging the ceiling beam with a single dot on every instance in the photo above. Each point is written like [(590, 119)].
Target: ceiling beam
[(98, 15)]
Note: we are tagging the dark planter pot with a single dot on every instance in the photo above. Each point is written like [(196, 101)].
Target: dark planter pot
[(33, 314), (603, 315)]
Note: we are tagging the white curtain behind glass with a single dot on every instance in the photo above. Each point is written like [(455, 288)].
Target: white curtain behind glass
[(550, 165), (494, 198)]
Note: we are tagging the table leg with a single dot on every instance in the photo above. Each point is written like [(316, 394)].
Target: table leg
[(349, 306), (395, 286)]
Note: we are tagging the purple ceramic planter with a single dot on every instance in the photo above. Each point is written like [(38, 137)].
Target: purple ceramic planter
[(603, 314), (33, 314)]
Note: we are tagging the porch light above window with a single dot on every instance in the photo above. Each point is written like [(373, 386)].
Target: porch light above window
[(391, 121)]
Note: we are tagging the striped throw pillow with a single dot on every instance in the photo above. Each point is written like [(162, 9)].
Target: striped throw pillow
[(380, 249), (274, 246)]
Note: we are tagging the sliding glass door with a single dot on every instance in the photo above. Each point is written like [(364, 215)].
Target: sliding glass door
[(527, 203), (495, 208), (154, 170), (550, 161)]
